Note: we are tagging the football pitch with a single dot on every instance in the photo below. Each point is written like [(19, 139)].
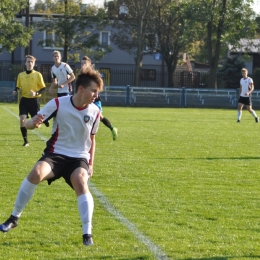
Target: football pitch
[(177, 184)]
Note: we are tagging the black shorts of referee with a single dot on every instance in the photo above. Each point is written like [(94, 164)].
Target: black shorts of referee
[(29, 106)]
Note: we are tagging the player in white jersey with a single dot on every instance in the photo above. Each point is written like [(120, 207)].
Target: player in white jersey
[(62, 75), (246, 88), (69, 152), (87, 61)]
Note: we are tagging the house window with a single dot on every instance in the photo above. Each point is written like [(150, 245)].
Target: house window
[(104, 39), (51, 40), (148, 74)]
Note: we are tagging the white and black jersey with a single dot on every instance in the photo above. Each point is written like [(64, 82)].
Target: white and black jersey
[(72, 127), (62, 74), (245, 86)]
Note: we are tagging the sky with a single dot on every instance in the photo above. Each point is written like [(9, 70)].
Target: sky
[(256, 5)]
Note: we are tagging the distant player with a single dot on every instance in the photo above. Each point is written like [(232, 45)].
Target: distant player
[(246, 88), (86, 60), (69, 152), (62, 75), (31, 84)]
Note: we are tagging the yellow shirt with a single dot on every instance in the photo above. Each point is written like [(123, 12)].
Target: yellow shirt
[(32, 81)]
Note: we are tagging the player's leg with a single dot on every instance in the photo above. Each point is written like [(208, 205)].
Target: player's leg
[(23, 129), (239, 111), (253, 113), (23, 114), (41, 171), (79, 181), (108, 124)]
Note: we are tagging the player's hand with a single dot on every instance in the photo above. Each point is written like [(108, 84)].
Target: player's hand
[(61, 86), (90, 171), (32, 93), (14, 93), (38, 120)]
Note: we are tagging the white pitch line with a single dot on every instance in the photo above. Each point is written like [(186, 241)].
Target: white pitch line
[(157, 252)]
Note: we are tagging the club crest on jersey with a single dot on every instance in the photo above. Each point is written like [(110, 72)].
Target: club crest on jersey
[(86, 119)]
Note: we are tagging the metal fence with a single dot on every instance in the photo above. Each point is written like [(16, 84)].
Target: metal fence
[(154, 97), (148, 77), (172, 97)]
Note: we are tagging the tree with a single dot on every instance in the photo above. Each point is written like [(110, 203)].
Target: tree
[(131, 28), (74, 28), (173, 32), (231, 71), (13, 33), (222, 22)]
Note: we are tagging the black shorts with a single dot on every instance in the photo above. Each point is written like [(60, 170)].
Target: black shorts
[(63, 166), (62, 94), (245, 100), (29, 106)]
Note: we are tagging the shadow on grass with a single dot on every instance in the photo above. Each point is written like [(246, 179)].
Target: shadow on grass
[(224, 257), (212, 158), (111, 257)]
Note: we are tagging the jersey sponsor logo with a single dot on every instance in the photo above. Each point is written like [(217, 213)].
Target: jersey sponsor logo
[(86, 119)]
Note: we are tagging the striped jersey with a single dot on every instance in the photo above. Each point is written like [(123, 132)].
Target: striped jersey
[(72, 127), (245, 84), (62, 74)]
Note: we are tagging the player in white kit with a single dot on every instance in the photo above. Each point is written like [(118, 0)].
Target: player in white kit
[(69, 152), (246, 88)]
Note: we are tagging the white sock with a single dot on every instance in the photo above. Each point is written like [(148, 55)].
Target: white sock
[(239, 114), (86, 208), (24, 195), (254, 114)]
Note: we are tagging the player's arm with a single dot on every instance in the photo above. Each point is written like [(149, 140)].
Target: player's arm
[(53, 85), (92, 155), (15, 91), (37, 93), (18, 85), (251, 87), (240, 90), (34, 122), (70, 79)]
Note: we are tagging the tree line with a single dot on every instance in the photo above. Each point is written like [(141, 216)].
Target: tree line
[(202, 28)]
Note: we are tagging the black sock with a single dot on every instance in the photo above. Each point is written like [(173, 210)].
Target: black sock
[(24, 134), (106, 122)]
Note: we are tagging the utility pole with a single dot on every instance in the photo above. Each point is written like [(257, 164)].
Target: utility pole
[(27, 23), (65, 54)]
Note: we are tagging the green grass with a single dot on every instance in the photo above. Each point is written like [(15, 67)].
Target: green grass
[(188, 179)]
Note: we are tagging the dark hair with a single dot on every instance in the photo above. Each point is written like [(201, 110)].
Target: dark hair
[(87, 75)]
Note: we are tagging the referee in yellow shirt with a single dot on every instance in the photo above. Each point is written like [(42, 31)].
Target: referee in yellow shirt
[(31, 84)]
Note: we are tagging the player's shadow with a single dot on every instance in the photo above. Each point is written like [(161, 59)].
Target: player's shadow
[(223, 257), (110, 258), (232, 158), (212, 158)]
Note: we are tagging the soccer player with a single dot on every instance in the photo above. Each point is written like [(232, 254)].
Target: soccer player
[(31, 84), (86, 61), (69, 152), (246, 88), (62, 75)]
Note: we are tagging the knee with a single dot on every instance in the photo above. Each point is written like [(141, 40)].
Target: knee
[(35, 175), (80, 183)]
